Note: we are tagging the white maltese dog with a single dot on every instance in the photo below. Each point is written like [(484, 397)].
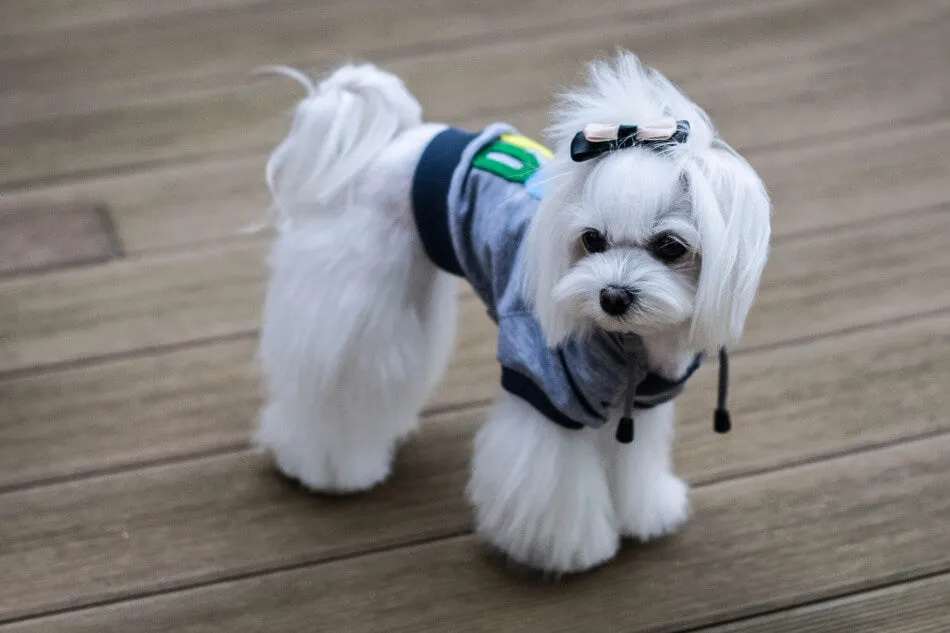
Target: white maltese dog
[(611, 267)]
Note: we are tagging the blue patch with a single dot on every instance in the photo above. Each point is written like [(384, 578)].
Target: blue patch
[(536, 183)]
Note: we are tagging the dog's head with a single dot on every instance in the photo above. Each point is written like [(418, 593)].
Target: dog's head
[(650, 237)]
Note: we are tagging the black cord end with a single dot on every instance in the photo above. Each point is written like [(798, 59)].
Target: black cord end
[(625, 430), (722, 422)]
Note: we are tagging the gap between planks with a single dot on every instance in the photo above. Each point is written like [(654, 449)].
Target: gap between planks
[(204, 205), (218, 293), (916, 604), (430, 36), (747, 100), (477, 407), (833, 411), (424, 37), (473, 374), (828, 492)]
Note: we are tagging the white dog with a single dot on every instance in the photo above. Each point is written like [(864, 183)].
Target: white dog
[(611, 266)]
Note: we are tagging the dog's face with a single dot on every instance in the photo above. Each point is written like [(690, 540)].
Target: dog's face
[(645, 242), (634, 252), (645, 239)]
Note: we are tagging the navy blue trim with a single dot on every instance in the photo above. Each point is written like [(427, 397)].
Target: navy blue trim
[(655, 384), (577, 392), (430, 196), (520, 385)]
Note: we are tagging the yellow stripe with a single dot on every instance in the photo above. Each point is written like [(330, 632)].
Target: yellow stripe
[(526, 143)]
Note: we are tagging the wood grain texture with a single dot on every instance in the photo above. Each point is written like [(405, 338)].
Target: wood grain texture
[(913, 607), (130, 304), (66, 543), (180, 205), (175, 403), (45, 16), (813, 285), (852, 276), (152, 528), (276, 39), (755, 544), (194, 401), (49, 236), (821, 398), (817, 186), (156, 50), (132, 410), (130, 498), (849, 72)]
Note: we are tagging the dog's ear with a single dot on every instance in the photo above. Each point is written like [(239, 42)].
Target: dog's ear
[(732, 211), (549, 248)]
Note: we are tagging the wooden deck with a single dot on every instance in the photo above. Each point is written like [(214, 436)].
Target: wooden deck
[(132, 141)]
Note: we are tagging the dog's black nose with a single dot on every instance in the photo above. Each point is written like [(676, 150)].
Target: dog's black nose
[(615, 301)]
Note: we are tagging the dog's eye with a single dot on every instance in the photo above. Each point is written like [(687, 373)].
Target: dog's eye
[(668, 248), (594, 241)]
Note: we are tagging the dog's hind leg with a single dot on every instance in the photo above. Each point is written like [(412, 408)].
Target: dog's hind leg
[(358, 324), (350, 350)]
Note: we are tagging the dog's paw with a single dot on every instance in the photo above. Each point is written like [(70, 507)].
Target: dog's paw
[(656, 509), (535, 538), (340, 477), (334, 474)]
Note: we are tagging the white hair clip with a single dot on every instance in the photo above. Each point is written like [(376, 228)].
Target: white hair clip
[(598, 138)]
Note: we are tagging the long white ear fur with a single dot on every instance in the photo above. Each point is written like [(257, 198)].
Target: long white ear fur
[(732, 210)]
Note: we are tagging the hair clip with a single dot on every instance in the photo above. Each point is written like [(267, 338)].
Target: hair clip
[(598, 138)]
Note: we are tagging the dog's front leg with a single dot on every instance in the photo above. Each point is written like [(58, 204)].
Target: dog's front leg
[(540, 491), (650, 500)]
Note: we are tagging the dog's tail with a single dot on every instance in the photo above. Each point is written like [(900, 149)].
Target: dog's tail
[(337, 130)]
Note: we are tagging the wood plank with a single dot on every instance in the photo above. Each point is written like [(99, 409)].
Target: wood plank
[(202, 400), (913, 607), (852, 276), (816, 186), (130, 304), (280, 34), (884, 270), (158, 49), (127, 411), (78, 527), (176, 403), (43, 16), (168, 206), (70, 543), (856, 178), (762, 545), (48, 236), (850, 73), (754, 545), (156, 208), (817, 398)]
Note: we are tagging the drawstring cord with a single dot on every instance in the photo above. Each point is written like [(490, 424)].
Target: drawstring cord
[(722, 421), (625, 426)]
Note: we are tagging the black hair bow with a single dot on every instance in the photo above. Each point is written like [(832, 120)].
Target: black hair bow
[(598, 138)]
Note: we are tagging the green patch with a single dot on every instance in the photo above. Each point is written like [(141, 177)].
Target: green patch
[(511, 157)]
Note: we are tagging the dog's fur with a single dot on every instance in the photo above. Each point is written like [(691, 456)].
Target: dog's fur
[(358, 323)]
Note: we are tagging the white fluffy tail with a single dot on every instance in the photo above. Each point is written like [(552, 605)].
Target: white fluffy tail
[(337, 130)]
